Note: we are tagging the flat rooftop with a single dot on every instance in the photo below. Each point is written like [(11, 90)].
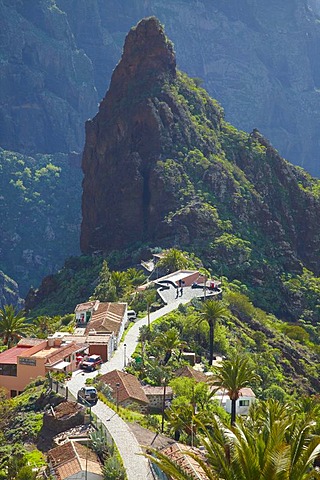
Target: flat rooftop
[(11, 356)]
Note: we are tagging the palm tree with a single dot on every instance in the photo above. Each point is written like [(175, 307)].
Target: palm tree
[(12, 325), (212, 311), (168, 342), (273, 444), (173, 260), (233, 375), (41, 326), (119, 281)]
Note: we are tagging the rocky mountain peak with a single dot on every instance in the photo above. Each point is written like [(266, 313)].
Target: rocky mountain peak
[(162, 167), (120, 202), (147, 55)]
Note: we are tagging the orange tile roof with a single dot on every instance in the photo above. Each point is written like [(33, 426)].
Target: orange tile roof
[(190, 372), (63, 352), (103, 339), (108, 318), (10, 356), (71, 458), (176, 452), (150, 390), (30, 342), (130, 387)]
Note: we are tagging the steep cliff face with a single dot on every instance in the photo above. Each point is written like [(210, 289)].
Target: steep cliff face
[(9, 292), (46, 83), (162, 166), (259, 60), (123, 144)]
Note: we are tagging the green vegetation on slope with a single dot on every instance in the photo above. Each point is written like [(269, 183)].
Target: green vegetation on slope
[(40, 214)]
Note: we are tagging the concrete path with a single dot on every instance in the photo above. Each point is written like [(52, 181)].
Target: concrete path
[(137, 466)]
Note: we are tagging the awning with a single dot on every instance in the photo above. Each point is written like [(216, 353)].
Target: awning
[(60, 365)]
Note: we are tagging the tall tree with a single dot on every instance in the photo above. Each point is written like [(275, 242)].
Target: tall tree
[(173, 260), (169, 341), (13, 325), (233, 375), (212, 311), (273, 444)]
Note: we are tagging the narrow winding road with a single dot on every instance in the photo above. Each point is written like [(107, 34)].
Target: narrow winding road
[(137, 466)]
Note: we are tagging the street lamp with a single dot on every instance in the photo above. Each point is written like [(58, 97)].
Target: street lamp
[(117, 395), (148, 310), (124, 355), (163, 403)]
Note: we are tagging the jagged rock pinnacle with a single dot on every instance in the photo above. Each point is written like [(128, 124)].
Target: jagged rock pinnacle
[(124, 141), (147, 54)]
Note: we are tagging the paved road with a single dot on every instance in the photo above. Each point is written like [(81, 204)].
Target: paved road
[(136, 466)]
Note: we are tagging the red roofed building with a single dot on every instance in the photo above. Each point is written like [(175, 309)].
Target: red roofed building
[(245, 400), (155, 396), (178, 454), (73, 461), (33, 358), (125, 388), (108, 317)]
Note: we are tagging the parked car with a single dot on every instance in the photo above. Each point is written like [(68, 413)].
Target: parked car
[(131, 315), (87, 394), (91, 363)]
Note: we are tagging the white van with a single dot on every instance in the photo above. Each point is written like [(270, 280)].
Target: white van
[(131, 315)]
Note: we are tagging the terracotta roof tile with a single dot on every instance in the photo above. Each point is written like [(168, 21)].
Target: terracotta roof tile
[(91, 339), (30, 342), (63, 352), (71, 458), (130, 387), (150, 390), (11, 356), (83, 307), (246, 392), (190, 372), (176, 452), (108, 318)]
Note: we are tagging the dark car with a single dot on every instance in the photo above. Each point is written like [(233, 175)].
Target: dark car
[(91, 363)]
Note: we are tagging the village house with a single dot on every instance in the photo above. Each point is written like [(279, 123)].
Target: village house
[(32, 358), (125, 388), (155, 396), (83, 312), (108, 318), (189, 372), (245, 400), (177, 453), (74, 461), (98, 344)]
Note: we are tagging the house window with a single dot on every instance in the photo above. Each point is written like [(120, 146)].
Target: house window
[(244, 403), (13, 393), (8, 369)]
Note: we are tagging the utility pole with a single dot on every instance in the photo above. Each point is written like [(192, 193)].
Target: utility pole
[(163, 403), (117, 395), (124, 355)]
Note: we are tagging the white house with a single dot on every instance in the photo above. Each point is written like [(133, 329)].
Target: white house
[(84, 311), (245, 400)]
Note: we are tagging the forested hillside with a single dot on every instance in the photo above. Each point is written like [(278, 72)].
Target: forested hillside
[(40, 214)]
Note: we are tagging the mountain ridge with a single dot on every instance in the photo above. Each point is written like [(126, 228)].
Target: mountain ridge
[(163, 160)]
